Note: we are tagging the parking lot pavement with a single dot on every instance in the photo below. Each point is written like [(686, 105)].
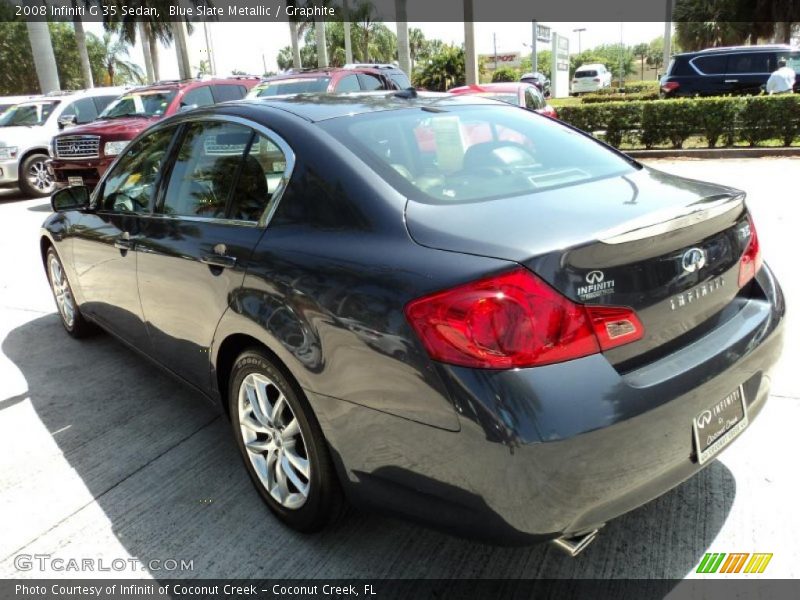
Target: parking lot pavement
[(102, 456)]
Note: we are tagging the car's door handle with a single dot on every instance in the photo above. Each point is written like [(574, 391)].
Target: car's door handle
[(217, 260), (731, 81), (124, 242)]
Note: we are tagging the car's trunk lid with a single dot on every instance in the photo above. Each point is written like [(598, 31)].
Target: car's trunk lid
[(665, 246)]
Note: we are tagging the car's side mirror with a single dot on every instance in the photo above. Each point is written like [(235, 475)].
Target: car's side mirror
[(71, 198), (67, 121), (185, 107)]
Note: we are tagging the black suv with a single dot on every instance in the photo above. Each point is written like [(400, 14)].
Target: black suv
[(731, 70)]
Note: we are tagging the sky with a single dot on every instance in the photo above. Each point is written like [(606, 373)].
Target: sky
[(248, 46)]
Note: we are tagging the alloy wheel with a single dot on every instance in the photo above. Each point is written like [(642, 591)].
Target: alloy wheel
[(62, 293), (39, 177), (274, 442)]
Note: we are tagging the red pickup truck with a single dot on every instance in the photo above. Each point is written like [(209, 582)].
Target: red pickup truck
[(82, 155)]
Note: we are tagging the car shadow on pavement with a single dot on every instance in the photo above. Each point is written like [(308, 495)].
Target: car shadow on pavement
[(163, 467), (44, 208)]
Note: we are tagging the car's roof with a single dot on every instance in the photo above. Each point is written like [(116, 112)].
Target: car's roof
[(504, 86), (739, 49), (321, 72), (320, 107), (591, 66), (185, 83)]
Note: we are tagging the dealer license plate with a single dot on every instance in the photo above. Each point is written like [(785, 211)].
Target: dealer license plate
[(715, 427), (73, 181)]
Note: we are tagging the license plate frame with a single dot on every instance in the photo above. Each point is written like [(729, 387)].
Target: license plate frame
[(74, 181), (719, 424)]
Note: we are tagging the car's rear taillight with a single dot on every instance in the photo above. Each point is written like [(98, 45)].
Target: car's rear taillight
[(670, 86), (751, 260), (615, 325), (515, 320)]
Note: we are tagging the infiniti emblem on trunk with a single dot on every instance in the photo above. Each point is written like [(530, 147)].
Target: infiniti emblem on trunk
[(693, 260)]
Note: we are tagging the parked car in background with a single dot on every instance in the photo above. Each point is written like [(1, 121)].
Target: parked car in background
[(525, 95), (540, 80), (81, 156), (516, 334), (729, 70), (590, 78), (7, 102), (27, 129), (359, 77)]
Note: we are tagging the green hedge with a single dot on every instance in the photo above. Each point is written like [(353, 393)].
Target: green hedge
[(619, 97), (722, 120)]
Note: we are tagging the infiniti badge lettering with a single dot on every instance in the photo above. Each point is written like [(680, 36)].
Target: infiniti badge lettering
[(696, 293)]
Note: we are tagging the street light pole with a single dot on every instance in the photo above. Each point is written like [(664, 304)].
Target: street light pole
[(579, 31), (534, 56)]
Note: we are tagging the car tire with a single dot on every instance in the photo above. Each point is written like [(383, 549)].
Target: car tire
[(71, 318), (282, 445), (34, 179)]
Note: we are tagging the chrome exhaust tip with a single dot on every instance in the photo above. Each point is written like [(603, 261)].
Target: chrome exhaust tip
[(575, 545)]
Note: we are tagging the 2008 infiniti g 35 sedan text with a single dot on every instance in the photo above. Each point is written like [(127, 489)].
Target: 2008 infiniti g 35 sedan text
[(446, 308)]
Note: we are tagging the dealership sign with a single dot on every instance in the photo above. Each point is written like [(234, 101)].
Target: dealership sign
[(506, 59)]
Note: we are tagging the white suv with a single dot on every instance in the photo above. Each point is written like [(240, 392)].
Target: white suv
[(27, 128), (590, 78)]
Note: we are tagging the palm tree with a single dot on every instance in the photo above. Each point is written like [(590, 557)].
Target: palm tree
[(83, 51), (43, 57), (403, 50), (366, 23), (114, 55), (416, 45)]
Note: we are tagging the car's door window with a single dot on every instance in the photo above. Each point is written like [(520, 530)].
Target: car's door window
[(223, 93), (207, 166), (753, 62), (200, 96), (130, 186), (711, 65), (400, 80), (370, 82), (348, 83), (100, 102), (261, 177), (83, 110)]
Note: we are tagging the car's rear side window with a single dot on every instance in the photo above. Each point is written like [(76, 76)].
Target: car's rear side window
[(400, 80), (473, 153), (749, 62)]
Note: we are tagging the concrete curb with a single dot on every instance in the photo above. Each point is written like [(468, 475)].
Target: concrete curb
[(714, 153)]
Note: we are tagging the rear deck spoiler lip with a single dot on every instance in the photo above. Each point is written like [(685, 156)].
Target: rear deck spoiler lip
[(673, 219)]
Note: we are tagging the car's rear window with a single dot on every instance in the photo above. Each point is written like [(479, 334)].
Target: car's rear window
[(301, 85), (473, 153), (588, 73)]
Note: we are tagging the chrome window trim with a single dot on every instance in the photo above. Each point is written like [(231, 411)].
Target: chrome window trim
[(727, 72), (277, 195)]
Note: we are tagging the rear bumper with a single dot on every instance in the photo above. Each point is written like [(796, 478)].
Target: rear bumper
[(89, 170), (556, 450)]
